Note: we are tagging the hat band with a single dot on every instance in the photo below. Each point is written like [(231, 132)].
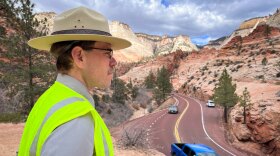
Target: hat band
[(81, 31)]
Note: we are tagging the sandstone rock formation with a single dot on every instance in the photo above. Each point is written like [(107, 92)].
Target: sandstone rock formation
[(169, 45), (244, 29), (143, 45), (274, 20), (139, 48)]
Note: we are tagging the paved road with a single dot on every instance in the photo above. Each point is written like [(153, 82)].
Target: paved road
[(163, 129)]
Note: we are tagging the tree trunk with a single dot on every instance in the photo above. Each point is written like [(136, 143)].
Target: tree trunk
[(225, 113), (31, 92), (244, 114)]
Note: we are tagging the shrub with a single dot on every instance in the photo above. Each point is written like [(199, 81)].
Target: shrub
[(216, 74), (278, 74), (134, 138), (204, 68), (96, 99), (239, 66), (11, 117), (143, 105), (135, 106), (105, 98), (264, 61)]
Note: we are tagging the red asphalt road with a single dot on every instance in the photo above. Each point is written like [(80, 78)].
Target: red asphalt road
[(160, 127)]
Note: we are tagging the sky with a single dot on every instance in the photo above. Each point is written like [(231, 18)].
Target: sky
[(201, 20)]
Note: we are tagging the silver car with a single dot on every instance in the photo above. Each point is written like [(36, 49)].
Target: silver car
[(173, 109)]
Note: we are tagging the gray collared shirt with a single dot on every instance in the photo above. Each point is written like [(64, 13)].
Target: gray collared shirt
[(75, 137)]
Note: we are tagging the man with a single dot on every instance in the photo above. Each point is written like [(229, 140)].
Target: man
[(63, 121)]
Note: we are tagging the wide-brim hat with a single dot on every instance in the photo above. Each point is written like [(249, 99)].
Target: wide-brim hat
[(79, 24)]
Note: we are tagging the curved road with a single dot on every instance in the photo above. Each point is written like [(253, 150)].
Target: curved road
[(195, 123)]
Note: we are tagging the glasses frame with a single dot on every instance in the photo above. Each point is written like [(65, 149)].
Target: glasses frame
[(109, 50)]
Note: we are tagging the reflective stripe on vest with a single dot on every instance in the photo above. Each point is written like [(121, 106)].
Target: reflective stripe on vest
[(51, 111)]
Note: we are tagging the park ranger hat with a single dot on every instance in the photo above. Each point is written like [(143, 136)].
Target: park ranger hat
[(81, 24)]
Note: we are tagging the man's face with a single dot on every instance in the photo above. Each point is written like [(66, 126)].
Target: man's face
[(99, 65)]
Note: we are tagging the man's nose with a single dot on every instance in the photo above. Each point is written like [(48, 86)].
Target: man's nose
[(113, 62)]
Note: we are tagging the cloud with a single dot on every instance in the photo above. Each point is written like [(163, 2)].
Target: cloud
[(201, 40), (215, 18)]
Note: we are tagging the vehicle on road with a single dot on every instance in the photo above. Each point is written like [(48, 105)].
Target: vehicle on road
[(210, 103), (183, 149), (173, 109)]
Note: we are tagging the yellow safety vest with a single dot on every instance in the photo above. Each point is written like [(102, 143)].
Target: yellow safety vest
[(68, 106)]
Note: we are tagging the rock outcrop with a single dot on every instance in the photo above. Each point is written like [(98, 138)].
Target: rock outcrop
[(244, 29), (139, 49), (143, 45), (274, 20), (262, 126)]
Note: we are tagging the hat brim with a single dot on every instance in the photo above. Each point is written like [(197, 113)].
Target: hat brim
[(45, 42)]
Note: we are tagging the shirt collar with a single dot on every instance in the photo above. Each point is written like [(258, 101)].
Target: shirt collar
[(75, 85)]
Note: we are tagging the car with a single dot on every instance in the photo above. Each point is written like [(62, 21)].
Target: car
[(184, 149), (173, 109), (210, 103)]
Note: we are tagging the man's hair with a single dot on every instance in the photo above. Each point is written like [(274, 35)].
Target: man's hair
[(62, 51)]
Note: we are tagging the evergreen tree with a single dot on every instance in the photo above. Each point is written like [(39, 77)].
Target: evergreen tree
[(264, 61), (134, 92), (96, 99), (129, 85), (119, 94), (150, 80), (245, 101), (28, 73), (163, 85), (224, 93)]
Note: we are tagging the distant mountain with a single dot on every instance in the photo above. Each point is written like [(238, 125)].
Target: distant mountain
[(143, 45), (216, 43)]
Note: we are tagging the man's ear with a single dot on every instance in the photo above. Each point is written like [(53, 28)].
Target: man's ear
[(78, 56)]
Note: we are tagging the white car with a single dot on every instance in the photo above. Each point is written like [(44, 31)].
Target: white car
[(210, 103)]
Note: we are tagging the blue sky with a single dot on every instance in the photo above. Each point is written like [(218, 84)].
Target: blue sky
[(201, 20)]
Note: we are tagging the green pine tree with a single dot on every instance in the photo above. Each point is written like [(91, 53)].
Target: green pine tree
[(163, 85), (245, 101), (134, 92), (224, 93), (27, 72), (264, 61), (129, 85), (150, 81), (120, 91)]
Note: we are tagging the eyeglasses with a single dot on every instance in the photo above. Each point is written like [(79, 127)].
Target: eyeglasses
[(109, 51)]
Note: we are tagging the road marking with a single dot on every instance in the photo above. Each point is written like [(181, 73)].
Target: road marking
[(202, 120), (176, 133)]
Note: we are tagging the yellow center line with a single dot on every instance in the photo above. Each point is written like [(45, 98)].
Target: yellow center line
[(176, 133)]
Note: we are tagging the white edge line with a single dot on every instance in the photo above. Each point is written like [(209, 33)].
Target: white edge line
[(202, 120)]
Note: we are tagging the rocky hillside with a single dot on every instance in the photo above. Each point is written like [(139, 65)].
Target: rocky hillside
[(166, 44), (197, 73), (274, 20), (244, 29)]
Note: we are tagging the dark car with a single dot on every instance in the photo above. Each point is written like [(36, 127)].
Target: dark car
[(173, 109)]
